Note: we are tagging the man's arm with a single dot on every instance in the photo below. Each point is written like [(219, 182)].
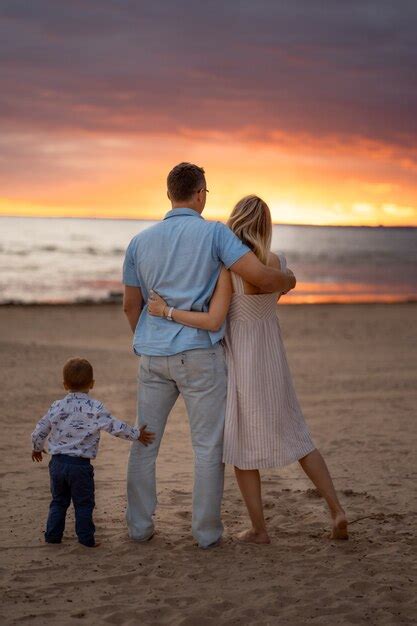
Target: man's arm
[(236, 256), (267, 278), (132, 305)]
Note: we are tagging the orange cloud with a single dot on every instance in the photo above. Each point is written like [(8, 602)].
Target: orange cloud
[(304, 179)]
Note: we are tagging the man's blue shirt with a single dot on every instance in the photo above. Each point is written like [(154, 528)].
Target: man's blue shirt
[(180, 258)]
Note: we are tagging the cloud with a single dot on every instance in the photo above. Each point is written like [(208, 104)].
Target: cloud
[(99, 98), (135, 67)]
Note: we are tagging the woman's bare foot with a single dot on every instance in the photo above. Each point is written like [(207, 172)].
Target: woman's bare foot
[(340, 526), (251, 536)]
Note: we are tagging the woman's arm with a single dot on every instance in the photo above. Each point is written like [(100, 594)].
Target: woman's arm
[(212, 320)]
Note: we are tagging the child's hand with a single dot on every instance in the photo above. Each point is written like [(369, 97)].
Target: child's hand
[(36, 456), (156, 304), (145, 436)]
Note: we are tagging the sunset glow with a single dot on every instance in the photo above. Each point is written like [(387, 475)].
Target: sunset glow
[(285, 112)]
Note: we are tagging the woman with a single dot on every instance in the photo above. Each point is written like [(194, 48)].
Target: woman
[(264, 425)]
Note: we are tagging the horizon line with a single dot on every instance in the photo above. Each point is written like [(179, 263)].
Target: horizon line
[(139, 219)]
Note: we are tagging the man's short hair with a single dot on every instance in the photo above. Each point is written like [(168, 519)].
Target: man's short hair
[(77, 373), (184, 180)]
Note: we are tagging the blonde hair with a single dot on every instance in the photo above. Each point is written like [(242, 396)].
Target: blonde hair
[(251, 221)]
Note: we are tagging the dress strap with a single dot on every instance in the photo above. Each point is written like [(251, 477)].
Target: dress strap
[(237, 282)]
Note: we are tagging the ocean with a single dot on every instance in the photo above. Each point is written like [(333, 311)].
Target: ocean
[(51, 260)]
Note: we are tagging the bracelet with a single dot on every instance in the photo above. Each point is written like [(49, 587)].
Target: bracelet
[(169, 315)]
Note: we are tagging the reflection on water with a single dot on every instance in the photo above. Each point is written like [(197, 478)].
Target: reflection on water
[(320, 293)]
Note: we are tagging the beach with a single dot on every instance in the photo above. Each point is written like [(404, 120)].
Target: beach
[(354, 368)]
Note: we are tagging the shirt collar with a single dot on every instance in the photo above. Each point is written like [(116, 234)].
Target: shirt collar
[(180, 212)]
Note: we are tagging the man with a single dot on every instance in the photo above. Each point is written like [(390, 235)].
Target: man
[(181, 258)]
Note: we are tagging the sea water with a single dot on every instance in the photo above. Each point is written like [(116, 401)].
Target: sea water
[(51, 260)]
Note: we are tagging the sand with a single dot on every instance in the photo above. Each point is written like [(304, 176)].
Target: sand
[(354, 369)]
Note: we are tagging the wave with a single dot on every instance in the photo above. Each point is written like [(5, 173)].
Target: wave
[(110, 298), (67, 251), (352, 257)]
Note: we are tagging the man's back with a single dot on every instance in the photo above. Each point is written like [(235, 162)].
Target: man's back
[(180, 258)]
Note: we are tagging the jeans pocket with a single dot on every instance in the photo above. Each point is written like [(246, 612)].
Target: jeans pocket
[(200, 369)]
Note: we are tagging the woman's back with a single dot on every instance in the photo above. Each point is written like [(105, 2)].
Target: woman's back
[(248, 302), (251, 306)]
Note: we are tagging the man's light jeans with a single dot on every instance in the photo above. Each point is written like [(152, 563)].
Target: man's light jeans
[(201, 377)]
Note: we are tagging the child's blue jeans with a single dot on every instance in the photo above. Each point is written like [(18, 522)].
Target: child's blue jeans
[(72, 478)]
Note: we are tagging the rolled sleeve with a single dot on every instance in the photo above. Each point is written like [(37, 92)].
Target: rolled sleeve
[(228, 247), (130, 275)]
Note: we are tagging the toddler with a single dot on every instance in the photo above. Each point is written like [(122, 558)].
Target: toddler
[(73, 426)]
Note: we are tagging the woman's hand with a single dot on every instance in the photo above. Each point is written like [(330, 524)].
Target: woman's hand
[(156, 304)]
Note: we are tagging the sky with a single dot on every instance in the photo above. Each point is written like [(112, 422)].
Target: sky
[(311, 105)]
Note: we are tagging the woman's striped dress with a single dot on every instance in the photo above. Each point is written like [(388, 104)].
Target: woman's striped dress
[(264, 424)]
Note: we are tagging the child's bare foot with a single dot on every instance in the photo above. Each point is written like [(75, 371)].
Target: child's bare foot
[(251, 536), (340, 526)]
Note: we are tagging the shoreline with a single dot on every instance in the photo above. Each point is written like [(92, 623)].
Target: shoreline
[(118, 302)]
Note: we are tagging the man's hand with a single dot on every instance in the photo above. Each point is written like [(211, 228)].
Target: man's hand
[(36, 456), (145, 436), (293, 280)]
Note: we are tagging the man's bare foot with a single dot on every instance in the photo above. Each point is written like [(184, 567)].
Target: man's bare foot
[(251, 536), (340, 527)]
